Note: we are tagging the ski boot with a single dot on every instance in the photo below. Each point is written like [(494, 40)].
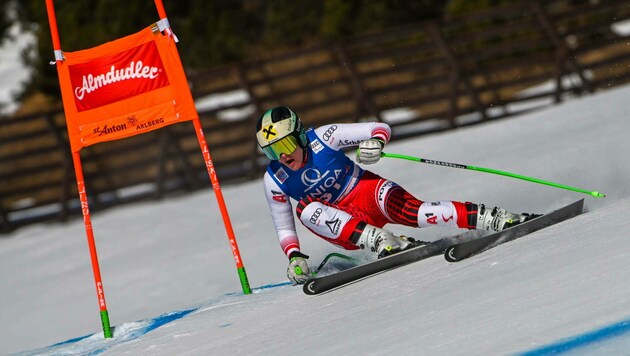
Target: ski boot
[(497, 219), (384, 243)]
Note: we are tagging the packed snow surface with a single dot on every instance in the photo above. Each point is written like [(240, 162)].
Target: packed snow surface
[(171, 284)]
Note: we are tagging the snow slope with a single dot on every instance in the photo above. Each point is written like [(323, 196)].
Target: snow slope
[(172, 288)]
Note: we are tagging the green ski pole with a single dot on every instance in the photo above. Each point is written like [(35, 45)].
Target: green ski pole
[(595, 194), (334, 254)]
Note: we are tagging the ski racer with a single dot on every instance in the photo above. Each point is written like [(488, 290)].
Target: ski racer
[(341, 202)]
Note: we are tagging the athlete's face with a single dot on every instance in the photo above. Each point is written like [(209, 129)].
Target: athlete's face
[(294, 160)]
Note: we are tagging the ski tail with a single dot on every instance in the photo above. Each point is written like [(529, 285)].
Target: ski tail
[(463, 250)]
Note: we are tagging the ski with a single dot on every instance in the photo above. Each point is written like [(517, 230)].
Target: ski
[(321, 284), (454, 248), (466, 249)]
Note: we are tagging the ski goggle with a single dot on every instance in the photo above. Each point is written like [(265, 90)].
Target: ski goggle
[(286, 145)]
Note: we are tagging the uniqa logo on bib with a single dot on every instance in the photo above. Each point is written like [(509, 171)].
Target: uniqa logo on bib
[(116, 77)]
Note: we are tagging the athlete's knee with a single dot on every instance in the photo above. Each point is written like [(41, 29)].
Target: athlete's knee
[(326, 220), (302, 204), (309, 214)]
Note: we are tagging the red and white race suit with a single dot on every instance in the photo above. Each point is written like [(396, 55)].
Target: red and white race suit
[(336, 197)]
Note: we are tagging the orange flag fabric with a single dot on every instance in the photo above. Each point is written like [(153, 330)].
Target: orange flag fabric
[(123, 88)]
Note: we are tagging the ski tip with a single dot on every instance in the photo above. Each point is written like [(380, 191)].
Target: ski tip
[(309, 287), (449, 254)]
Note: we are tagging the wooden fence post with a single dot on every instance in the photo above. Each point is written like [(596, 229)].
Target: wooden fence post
[(363, 102), (458, 72), (5, 226), (62, 145), (244, 83), (562, 52)]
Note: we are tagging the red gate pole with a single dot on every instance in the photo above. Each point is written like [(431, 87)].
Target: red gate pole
[(240, 268), (85, 210), (216, 186), (87, 221)]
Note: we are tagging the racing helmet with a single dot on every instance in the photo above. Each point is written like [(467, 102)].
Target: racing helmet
[(280, 130)]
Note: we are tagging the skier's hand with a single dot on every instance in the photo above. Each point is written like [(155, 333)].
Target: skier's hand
[(369, 151), (298, 271)]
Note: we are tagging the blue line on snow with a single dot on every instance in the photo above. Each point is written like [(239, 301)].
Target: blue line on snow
[(151, 324), (257, 289), (167, 318), (76, 339), (102, 346), (589, 338)]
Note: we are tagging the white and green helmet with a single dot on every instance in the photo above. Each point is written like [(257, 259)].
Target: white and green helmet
[(278, 131)]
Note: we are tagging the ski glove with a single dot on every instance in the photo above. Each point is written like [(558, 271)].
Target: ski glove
[(369, 151), (298, 271)]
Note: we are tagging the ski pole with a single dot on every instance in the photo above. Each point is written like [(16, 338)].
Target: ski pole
[(334, 254), (595, 194)]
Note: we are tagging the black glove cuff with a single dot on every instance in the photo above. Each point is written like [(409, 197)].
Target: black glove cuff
[(297, 254)]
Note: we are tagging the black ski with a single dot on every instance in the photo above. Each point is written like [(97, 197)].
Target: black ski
[(321, 284), (466, 249), (454, 244)]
